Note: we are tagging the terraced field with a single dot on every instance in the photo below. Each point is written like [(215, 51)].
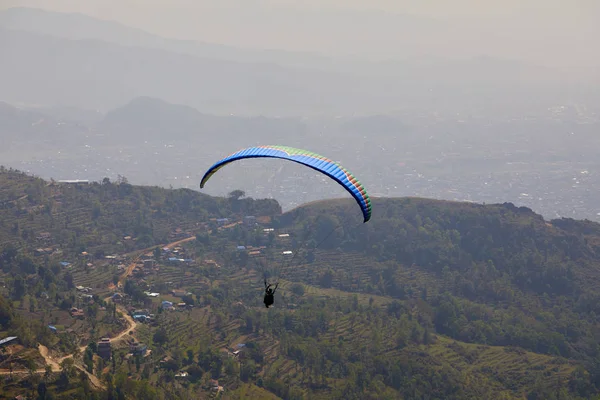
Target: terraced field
[(191, 329), (351, 271), (511, 369), (73, 219), (96, 278), (507, 372), (249, 391), (179, 274)]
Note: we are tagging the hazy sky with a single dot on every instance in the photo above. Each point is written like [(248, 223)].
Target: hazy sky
[(550, 32)]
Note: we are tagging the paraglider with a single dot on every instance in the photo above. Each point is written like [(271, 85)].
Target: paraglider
[(315, 161), (269, 294), (312, 160)]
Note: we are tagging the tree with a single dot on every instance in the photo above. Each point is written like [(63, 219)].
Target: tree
[(236, 195), (19, 288), (247, 370), (47, 373), (30, 365), (298, 289), (160, 337), (42, 389), (195, 372)]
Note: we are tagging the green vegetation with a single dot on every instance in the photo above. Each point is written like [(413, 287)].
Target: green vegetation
[(430, 299)]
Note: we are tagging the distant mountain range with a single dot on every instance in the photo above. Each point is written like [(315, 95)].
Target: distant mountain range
[(77, 26), (71, 60), (144, 119)]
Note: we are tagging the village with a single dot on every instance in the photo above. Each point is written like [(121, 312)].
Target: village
[(160, 296)]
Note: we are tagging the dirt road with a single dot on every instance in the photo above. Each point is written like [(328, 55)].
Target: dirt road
[(130, 322), (131, 325), (133, 263), (55, 367), (55, 363)]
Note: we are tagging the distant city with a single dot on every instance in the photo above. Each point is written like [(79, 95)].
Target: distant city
[(465, 159)]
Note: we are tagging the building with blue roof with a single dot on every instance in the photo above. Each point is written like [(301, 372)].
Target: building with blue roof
[(7, 340)]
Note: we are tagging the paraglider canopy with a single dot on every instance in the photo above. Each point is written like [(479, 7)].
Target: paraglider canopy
[(315, 161)]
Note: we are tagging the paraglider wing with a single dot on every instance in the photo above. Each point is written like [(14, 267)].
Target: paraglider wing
[(315, 161)]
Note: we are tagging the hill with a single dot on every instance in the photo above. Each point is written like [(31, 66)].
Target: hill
[(101, 75), (153, 117), (429, 299), (57, 144)]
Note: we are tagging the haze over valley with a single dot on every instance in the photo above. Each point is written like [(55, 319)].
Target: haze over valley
[(113, 100)]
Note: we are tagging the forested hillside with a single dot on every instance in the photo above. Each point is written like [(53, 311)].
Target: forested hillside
[(428, 300)]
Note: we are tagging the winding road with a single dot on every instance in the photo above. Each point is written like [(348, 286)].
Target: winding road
[(54, 363)]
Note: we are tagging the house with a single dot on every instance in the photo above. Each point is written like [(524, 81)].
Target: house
[(77, 313), (117, 298), (44, 236), (178, 233), (74, 181), (148, 263), (179, 293), (141, 318), (137, 348), (236, 353), (166, 305), (88, 297), (265, 219), (52, 328), (249, 220), (104, 348), (222, 221), (7, 340), (211, 262), (65, 263), (141, 315), (41, 252), (241, 248)]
